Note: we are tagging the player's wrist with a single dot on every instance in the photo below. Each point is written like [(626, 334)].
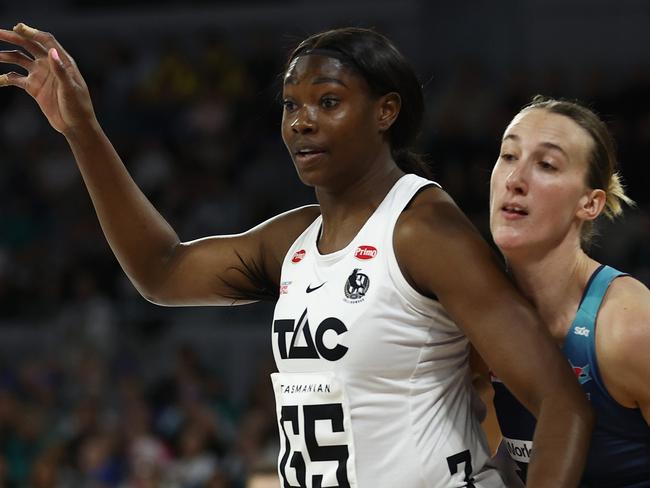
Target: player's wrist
[(83, 130)]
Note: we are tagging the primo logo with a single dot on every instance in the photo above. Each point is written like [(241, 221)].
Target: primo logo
[(581, 331)]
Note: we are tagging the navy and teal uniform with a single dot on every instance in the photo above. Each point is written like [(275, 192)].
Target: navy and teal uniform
[(619, 454)]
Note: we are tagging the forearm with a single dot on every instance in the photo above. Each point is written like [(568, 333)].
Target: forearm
[(141, 239), (561, 441), (544, 383)]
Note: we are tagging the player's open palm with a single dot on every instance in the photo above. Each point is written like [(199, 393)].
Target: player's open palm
[(52, 79)]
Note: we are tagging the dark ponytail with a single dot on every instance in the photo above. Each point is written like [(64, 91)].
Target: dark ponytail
[(412, 162)]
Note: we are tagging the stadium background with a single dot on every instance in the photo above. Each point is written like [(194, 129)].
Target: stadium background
[(99, 388)]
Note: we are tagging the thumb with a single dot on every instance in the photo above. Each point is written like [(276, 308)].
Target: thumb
[(56, 63)]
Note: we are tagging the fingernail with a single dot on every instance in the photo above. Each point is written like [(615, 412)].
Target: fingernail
[(4, 80), (55, 54)]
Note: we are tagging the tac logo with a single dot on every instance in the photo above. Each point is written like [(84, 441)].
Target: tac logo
[(298, 256), (581, 331), (356, 286), (305, 346), (582, 373), (365, 252)]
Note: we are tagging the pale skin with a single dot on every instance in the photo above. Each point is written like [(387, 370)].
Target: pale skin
[(539, 203), (324, 103)]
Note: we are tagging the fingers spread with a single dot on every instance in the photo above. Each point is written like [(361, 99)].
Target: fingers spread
[(32, 47), (45, 39), (16, 57)]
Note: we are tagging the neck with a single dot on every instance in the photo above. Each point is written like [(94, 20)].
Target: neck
[(346, 208), (554, 282)]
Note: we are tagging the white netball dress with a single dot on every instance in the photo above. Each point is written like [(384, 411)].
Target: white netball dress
[(373, 388)]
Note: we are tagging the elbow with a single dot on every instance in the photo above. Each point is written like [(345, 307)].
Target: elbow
[(152, 279), (153, 293), (155, 299), (150, 294)]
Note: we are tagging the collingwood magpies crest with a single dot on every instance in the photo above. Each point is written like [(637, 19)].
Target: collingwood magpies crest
[(356, 286)]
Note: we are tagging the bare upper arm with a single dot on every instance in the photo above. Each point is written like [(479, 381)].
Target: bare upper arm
[(232, 269), (452, 261), (623, 343)]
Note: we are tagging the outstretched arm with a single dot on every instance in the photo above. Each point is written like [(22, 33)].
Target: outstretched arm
[(453, 262), (164, 270)]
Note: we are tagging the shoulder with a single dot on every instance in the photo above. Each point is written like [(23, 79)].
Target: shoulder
[(293, 221), (432, 214), (278, 233), (624, 338), (433, 239), (626, 313)]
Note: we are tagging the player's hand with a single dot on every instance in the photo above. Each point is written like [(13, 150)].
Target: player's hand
[(52, 79)]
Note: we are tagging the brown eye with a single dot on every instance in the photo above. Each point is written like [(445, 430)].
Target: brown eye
[(546, 166), (288, 105), (329, 102)]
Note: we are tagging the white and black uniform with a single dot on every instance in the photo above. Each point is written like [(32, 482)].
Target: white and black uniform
[(373, 388)]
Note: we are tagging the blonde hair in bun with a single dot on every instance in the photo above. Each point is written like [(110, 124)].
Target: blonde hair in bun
[(615, 197)]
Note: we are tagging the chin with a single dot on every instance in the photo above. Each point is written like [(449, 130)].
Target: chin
[(306, 181), (508, 241), (306, 177)]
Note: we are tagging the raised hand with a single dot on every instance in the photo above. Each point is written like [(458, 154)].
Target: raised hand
[(52, 79)]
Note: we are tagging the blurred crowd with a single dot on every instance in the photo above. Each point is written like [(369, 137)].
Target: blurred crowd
[(197, 122)]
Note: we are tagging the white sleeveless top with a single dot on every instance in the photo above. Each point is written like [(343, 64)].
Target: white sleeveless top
[(373, 388)]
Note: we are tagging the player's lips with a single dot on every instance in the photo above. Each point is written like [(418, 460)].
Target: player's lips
[(305, 153), (514, 211)]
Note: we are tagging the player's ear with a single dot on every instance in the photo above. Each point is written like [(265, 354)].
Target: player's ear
[(591, 204), (388, 108)]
